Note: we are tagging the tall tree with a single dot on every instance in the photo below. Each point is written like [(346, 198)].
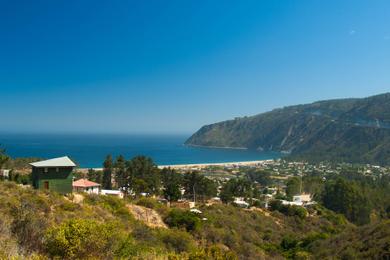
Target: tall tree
[(293, 187), (142, 175), (198, 186), (120, 173), (96, 176), (226, 194), (4, 158), (348, 198), (172, 182), (237, 187), (107, 172), (263, 177)]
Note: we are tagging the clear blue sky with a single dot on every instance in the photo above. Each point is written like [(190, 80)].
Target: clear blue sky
[(172, 66)]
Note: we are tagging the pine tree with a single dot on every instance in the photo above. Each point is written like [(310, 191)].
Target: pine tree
[(120, 173), (172, 184), (107, 172), (4, 158)]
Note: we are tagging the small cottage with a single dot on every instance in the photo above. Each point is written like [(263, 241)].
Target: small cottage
[(54, 174), (84, 185)]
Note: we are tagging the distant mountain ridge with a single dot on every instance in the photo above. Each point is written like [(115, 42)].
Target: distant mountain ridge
[(352, 130)]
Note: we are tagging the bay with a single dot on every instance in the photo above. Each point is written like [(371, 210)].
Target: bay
[(89, 150)]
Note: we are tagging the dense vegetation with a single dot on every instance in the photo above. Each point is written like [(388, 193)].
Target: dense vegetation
[(48, 225), (350, 221), (140, 176), (45, 224), (353, 130), (360, 198)]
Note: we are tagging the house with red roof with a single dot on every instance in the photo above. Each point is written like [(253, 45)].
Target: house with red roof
[(84, 185)]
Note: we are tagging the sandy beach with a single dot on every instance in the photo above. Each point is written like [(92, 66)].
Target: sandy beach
[(223, 164), (199, 165)]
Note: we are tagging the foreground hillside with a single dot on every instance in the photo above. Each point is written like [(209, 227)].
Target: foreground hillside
[(372, 241), (42, 225), (354, 130)]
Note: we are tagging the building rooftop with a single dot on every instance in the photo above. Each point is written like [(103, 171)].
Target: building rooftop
[(55, 162), (84, 183)]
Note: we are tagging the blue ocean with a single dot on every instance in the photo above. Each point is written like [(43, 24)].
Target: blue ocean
[(89, 150)]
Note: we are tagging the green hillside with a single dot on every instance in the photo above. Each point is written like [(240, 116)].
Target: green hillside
[(368, 242), (40, 225), (353, 130)]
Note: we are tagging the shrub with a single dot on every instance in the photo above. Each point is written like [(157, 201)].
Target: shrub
[(68, 206), (9, 246), (311, 238), (128, 248), (116, 206), (28, 225), (148, 203), (183, 219), (288, 243), (145, 235), (80, 238), (152, 203), (288, 210), (212, 252), (178, 241), (275, 205)]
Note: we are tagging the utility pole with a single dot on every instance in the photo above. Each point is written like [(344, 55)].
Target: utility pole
[(193, 190), (300, 185)]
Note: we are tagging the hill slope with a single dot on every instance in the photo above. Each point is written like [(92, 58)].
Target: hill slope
[(355, 130), (46, 225)]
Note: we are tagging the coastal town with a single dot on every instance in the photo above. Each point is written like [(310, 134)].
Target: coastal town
[(288, 208), (291, 183)]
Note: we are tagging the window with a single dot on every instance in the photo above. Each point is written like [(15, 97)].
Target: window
[(46, 170), (57, 169)]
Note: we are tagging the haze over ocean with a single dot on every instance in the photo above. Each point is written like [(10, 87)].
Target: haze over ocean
[(89, 150)]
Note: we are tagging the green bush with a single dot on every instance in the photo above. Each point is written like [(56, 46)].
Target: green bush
[(80, 238), (183, 219), (178, 241), (212, 252), (129, 248), (28, 225), (288, 210), (115, 205), (152, 203), (288, 243), (68, 206), (148, 203), (311, 238)]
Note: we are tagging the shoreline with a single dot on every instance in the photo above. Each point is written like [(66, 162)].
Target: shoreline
[(200, 165), (216, 147), (225, 164)]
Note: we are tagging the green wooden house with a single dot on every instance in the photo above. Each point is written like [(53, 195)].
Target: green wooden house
[(54, 174)]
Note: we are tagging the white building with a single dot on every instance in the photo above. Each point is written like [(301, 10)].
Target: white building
[(4, 173), (299, 200), (114, 193), (241, 202), (302, 198)]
